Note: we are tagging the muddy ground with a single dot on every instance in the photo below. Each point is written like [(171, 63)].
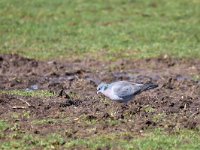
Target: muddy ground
[(76, 111)]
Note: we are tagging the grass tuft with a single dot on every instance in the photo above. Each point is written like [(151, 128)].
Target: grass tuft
[(38, 93)]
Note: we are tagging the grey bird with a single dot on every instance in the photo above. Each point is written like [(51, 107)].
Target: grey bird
[(123, 91)]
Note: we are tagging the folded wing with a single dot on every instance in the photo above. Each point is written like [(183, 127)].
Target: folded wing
[(125, 89)]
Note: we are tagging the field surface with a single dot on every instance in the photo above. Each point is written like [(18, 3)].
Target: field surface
[(133, 28), (44, 98), (54, 53)]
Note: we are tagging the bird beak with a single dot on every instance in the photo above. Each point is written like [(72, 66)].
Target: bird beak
[(98, 92)]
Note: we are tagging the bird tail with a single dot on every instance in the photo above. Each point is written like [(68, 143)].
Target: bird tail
[(148, 86)]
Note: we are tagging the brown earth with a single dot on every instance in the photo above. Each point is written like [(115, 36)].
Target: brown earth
[(77, 111)]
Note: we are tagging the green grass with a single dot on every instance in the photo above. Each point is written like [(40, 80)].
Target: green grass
[(36, 93), (49, 121), (28, 141), (148, 140), (3, 125), (122, 28), (151, 140)]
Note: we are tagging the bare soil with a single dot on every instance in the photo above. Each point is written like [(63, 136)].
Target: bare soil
[(76, 110)]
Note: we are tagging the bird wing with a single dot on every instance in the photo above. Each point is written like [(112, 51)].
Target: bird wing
[(125, 89)]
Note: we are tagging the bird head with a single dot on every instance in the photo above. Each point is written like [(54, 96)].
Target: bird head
[(101, 87)]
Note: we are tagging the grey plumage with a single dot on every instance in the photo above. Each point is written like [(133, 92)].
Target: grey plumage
[(123, 91)]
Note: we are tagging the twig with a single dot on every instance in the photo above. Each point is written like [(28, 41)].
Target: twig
[(193, 114), (29, 105), (19, 107)]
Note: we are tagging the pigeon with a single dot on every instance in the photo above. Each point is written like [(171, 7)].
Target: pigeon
[(123, 91)]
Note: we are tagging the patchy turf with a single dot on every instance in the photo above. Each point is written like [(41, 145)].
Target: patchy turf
[(72, 115), (153, 140)]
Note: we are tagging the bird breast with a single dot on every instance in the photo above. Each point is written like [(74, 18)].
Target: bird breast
[(110, 93)]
